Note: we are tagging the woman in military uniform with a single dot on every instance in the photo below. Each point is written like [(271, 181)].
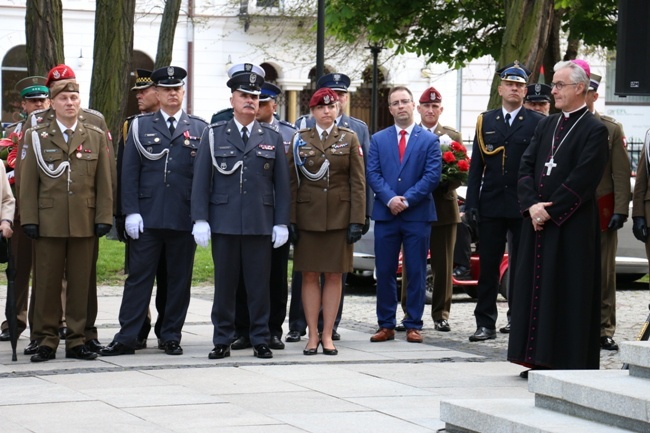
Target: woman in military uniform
[(327, 212)]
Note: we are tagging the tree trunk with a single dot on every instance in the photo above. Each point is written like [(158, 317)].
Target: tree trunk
[(114, 20), (527, 30), (44, 35), (167, 31)]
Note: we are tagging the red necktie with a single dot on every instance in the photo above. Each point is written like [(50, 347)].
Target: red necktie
[(402, 144)]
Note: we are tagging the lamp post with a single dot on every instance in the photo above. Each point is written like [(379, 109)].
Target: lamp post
[(375, 49)]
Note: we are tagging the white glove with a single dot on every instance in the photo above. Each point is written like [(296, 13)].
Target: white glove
[(134, 225), (280, 236), (445, 140), (11, 175), (201, 232)]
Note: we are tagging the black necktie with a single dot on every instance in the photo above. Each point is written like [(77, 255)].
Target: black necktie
[(508, 119), (244, 135), (171, 125)]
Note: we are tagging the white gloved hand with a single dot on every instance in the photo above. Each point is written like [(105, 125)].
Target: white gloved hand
[(134, 225), (201, 232), (445, 140), (280, 236)]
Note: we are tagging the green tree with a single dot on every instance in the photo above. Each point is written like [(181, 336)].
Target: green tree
[(458, 31), (112, 59), (44, 35)]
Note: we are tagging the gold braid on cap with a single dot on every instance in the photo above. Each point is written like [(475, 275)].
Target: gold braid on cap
[(481, 143)]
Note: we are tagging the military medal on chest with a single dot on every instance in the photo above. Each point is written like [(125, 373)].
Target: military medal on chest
[(80, 149), (186, 134)]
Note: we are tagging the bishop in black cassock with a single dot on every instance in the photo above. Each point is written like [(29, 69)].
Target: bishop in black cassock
[(556, 306)]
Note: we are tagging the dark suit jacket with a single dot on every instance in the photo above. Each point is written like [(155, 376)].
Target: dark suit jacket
[(160, 190), (492, 183), (414, 178), (253, 203)]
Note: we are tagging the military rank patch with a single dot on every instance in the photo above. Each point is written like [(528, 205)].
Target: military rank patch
[(266, 147)]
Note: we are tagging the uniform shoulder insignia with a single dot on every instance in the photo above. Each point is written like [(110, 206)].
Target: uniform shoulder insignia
[(192, 116), (218, 124), (268, 126), (12, 126), (144, 115), (343, 128), (354, 119), (449, 128), (304, 130), (94, 112), (42, 110), (131, 117), (91, 127), (287, 124), (608, 118)]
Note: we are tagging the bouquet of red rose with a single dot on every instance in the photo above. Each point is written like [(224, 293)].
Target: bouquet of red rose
[(455, 162), (8, 152)]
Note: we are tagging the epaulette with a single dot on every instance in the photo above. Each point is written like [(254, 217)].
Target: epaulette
[(197, 117), (354, 119), (285, 123), (304, 130), (449, 128), (130, 118), (145, 114), (12, 125), (219, 123), (343, 128), (35, 112), (608, 119), (95, 112), (94, 128)]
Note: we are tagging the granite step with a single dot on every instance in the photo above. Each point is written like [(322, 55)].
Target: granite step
[(636, 354), (513, 416), (612, 397)]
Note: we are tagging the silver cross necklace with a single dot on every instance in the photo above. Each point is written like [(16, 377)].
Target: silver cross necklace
[(550, 164)]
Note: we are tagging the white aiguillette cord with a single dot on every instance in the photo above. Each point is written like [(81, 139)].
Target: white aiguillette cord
[(300, 165), (149, 155), (238, 165), (52, 173)]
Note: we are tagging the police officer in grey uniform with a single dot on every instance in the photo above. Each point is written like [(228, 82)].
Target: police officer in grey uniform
[(279, 256), (241, 199), (339, 83), (156, 184)]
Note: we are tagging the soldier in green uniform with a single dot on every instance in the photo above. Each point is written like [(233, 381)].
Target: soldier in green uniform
[(35, 96), (67, 202), (613, 194)]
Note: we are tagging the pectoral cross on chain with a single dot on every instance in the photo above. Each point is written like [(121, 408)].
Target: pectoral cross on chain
[(550, 165)]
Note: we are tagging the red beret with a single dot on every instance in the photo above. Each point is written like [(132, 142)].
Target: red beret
[(430, 95), (323, 96), (59, 72)]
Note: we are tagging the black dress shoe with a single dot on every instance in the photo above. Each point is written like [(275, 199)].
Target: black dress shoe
[(400, 327), (441, 325), (161, 345), (173, 348), (336, 336), (608, 343), (524, 374), (220, 351), (262, 351), (241, 343), (80, 352), (310, 352), (461, 273), (115, 348), (482, 333), (44, 353), (292, 337), (276, 343), (5, 335), (63, 332), (31, 348), (94, 345), (140, 344), (505, 329)]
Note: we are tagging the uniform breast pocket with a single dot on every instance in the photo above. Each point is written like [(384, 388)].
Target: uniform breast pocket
[(340, 151), (90, 159), (52, 155), (225, 158), (266, 162)]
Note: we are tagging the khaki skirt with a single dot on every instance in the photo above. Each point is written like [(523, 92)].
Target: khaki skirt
[(323, 252)]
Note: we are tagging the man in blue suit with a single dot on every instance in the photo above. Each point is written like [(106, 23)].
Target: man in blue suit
[(403, 169)]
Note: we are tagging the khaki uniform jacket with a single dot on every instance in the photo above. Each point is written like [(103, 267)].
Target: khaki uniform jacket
[(447, 201), (338, 199), (641, 197), (616, 177), (59, 209)]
